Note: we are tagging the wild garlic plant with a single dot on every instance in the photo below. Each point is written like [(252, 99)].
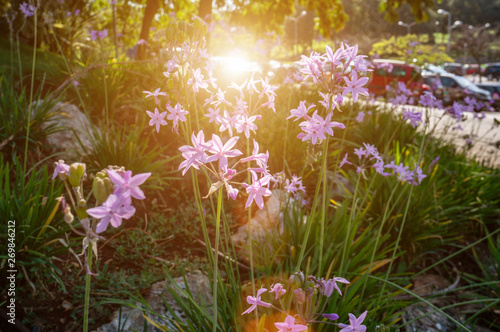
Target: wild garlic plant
[(302, 301), (113, 189)]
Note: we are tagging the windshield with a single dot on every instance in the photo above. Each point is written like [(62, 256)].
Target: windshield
[(465, 83)]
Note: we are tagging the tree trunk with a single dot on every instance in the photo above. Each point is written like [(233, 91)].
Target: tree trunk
[(205, 9), (152, 7)]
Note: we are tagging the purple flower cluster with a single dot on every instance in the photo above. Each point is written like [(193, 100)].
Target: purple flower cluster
[(206, 152), (96, 34), (369, 157), (238, 116), (412, 115), (339, 74), (401, 94), (27, 9), (306, 297)]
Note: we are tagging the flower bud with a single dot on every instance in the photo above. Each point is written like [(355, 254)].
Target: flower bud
[(68, 217), (300, 296), (76, 174), (170, 35), (81, 212), (181, 26), (99, 190), (181, 36), (109, 186), (198, 23), (297, 279), (81, 209)]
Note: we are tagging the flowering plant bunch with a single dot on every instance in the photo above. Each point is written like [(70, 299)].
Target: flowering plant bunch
[(369, 157), (338, 74), (302, 300), (113, 189)]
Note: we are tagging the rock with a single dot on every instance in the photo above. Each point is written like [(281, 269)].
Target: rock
[(263, 220), (132, 318), (75, 124), (432, 322)]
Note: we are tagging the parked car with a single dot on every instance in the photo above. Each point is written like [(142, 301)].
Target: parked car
[(387, 71), (432, 69), (492, 71), (454, 68), (494, 89), (471, 69), (449, 88)]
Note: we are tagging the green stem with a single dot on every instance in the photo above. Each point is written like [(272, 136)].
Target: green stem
[(349, 224), (28, 125), (249, 217), (87, 289), (384, 219), (323, 208), (313, 212), (402, 223), (216, 258)]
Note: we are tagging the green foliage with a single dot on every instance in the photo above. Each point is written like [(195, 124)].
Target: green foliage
[(411, 49), (131, 146), (29, 199), (14, 110), (419, 8)]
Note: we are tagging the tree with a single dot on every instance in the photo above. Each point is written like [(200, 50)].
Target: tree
[(411, 49), (152, 7), (476, 40)]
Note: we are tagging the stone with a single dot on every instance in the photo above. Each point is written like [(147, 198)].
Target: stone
[(263, 220), (132, 319), (75, 124)]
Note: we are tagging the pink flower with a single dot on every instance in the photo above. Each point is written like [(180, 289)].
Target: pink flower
[(355, 86), (223, 151), (355, 324), (301, 111), (245, 124), (157, 119), (176, 114), (278, 290), (128, 185), (345, 161), (257, 190), (196, 154), (155, 94), (290, 326), (112, 211), (197, 81), (213, 115), (61, 168), (331, 284), (260, 158), (255, 301)]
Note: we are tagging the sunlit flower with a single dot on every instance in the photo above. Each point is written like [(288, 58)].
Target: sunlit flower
[(112, 211), (126, 184), (289, 325), (355, 86), (255, 301), (155, 94), (223, 151), (157, 119), (355, 324)]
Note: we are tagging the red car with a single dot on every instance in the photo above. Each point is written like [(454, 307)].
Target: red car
[(387, 71)]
